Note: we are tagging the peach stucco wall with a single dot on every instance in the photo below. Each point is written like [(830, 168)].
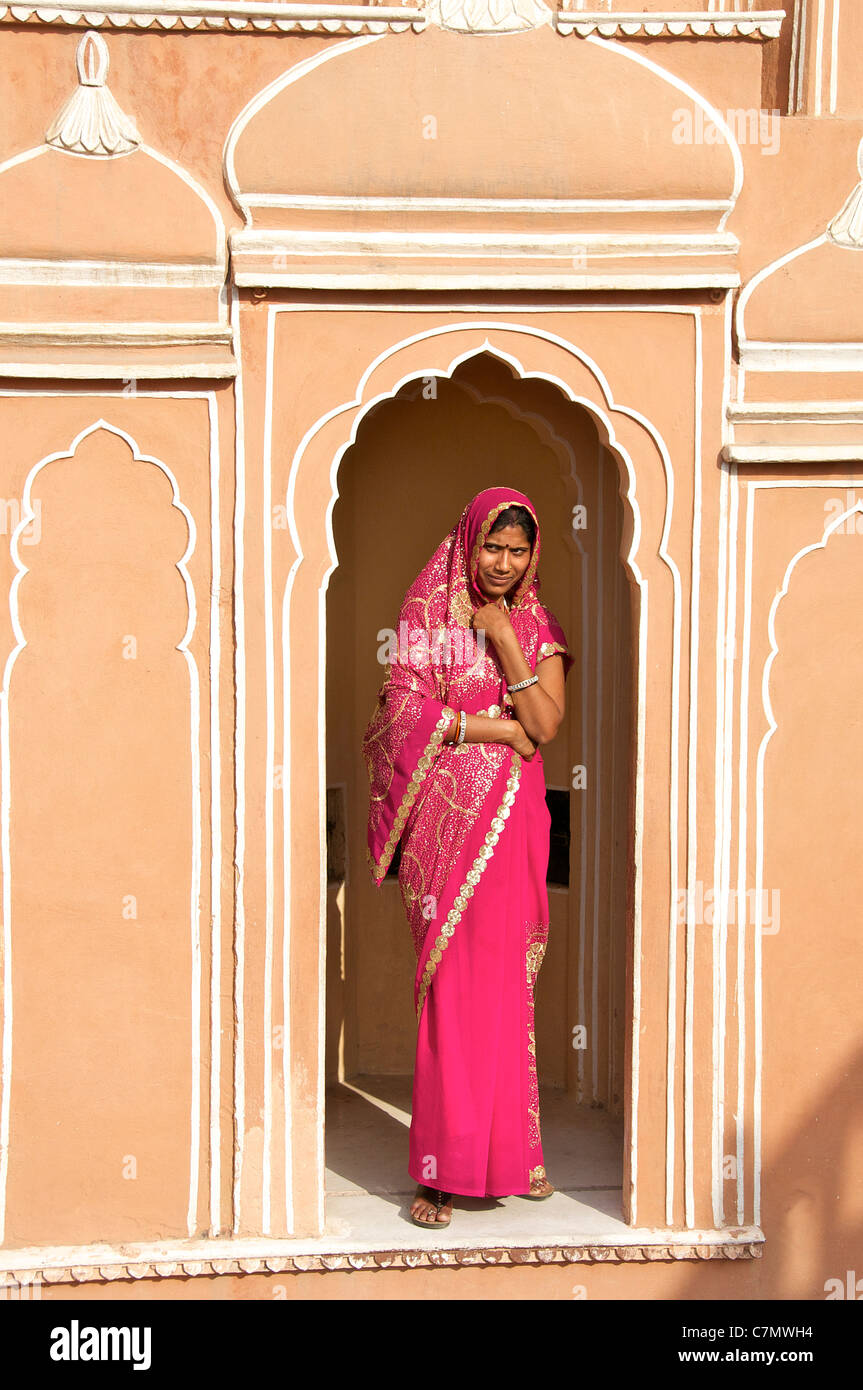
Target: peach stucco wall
[(219, 473)]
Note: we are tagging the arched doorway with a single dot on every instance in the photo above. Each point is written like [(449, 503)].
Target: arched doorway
[(418, 456)]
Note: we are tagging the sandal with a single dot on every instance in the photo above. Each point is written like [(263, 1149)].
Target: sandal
[(438, 1200), (539, 1196)]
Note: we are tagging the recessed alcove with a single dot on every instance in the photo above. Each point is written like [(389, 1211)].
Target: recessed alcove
[(417, 459)]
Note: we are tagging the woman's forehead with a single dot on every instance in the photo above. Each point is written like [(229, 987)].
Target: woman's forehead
[(509, 536)]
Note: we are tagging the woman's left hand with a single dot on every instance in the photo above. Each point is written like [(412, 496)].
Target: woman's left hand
[(492, 618)]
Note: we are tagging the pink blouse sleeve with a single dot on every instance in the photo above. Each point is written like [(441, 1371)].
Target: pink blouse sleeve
[(552, 640)]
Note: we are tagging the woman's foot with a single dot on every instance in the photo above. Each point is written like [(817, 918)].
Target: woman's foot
[(540, 1187), (431, 1207)]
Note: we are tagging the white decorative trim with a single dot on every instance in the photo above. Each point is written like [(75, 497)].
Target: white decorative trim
[(796, 412), (627, 24), (118, 334), (239, 944), (481, 280), (20, 270), (184, 1259), (485, 244), (712, 112), (258, 102), (801, 357), (325, 202), (794, 453), (235, 16), (115, 368), (230, 15)]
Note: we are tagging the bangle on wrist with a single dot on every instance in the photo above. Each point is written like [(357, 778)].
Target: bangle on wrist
[(462, 726)]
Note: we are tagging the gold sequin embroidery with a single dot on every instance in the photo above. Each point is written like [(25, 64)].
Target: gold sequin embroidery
[(461, 608), (549, 649), (472, 878), (417, 778)]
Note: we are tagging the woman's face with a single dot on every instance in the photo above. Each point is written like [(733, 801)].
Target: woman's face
[(502, 561)]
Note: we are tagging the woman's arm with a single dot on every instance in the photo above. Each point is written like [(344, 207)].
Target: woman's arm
[(540, 707), (481, 728)]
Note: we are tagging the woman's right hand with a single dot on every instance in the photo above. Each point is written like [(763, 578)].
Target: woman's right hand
[(519, 741)]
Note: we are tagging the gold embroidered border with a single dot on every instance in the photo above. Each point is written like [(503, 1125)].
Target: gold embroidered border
[(481, 539), (472, 878), (417, 777), (534, 953)]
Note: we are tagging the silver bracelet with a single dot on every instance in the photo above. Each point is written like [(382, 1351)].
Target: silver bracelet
[(462, 726), (522, 685)]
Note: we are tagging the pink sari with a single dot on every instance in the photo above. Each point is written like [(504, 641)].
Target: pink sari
[(474, 830)]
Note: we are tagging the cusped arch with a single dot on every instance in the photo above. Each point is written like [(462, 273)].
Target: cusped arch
[(528, 351)]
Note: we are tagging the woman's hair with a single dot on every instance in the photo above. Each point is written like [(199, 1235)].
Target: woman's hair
[(516, 515)]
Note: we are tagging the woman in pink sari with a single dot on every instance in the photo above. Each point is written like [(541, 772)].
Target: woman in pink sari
[(475, 685)]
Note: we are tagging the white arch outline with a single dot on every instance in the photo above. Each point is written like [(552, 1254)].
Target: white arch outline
[(305, 66), (29, 515), (264, 96), (193, 269)]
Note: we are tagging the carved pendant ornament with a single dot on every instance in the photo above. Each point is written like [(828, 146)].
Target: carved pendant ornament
[(488, 16), (91, 122), (846, 229)]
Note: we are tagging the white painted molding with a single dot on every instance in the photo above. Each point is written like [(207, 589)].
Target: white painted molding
[(488, 260), (801, 357), (118, 334), (796, 412), (823, 432), (182, 1259), (483, 280), (367, 202), (485, 244), (20, 270), (625, 24), (793, 453), (237, 16), (117, 368), (91, 122)]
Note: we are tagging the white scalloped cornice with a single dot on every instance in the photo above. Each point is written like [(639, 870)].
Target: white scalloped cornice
[(88, 1265), (626, 24), (232, 16), (239, 16)]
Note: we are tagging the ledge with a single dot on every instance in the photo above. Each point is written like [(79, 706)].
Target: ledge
[(239, 16), (754, 24), (789, 432), (233, 16), (190, 1259)]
